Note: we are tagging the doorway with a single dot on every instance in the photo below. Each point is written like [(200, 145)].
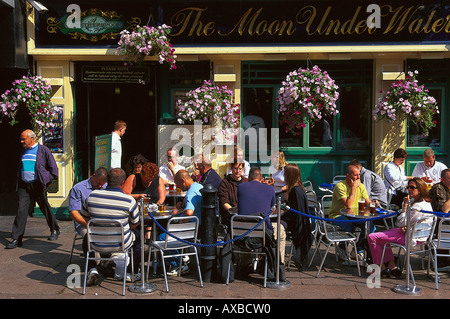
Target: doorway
[(99, 105)]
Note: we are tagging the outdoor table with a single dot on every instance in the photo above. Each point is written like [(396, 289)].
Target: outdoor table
[(157, 215), (365, 214), (175, 195)]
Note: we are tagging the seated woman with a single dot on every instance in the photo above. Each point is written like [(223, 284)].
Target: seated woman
[(134, 164), (417, 190), (146, 184), (227, 193), (298, 225), (276, 170)]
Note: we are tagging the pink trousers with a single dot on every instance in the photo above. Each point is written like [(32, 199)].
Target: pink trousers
[(377, 240)]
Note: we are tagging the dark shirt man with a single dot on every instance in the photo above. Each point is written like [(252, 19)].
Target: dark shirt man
[(254, 197), (440, 193), (209, 175), (36, 171)]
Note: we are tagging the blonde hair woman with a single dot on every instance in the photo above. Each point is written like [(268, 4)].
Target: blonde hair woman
[(276, 169)]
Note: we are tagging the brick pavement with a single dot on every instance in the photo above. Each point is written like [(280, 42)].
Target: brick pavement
[(39, 270)]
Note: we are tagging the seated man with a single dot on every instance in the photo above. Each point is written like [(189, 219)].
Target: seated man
[(440, 193), (80, 192), (346, 194), (430, 169), (168, 171), (209, 175), (257, 198), (113, 203), (440, 201), (373, 183)]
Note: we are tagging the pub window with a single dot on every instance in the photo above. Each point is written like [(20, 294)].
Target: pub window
[(349, 130), (414, 134), (433, 74)]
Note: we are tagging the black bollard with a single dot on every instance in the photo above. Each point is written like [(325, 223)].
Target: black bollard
[(208, 230)]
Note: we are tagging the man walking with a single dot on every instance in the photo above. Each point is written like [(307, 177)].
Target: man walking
[(36, 171), (116, 145)]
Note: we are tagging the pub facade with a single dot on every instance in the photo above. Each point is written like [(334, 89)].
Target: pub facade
[(249, 46)]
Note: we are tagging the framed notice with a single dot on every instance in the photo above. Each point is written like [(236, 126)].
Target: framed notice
[(102, 146)]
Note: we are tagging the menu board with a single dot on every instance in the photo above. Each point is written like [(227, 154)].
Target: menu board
[(102, 146)]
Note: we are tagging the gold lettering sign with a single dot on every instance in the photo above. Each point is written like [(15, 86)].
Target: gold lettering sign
[(192, 22)]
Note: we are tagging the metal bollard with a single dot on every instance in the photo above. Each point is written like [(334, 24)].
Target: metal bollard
[(208, 230)]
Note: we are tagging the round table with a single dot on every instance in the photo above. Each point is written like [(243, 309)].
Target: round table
[(175, 195)]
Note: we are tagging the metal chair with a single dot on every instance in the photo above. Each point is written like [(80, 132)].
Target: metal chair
[(328, 235), (186, 229), (241, 224), (106, 236), (76, 238), (338, 178), (419, 231), (325, 202), (442, 242)]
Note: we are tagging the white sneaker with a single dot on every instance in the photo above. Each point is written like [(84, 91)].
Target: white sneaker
[(119, 277), (174, 271), (92, 277)]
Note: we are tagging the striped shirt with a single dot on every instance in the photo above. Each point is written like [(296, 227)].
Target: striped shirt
[(113, 203), (29, 164)]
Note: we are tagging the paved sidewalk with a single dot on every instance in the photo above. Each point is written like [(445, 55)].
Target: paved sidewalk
[(39, 270)]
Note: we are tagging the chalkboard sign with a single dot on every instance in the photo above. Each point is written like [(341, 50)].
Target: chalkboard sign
[(103, 151)]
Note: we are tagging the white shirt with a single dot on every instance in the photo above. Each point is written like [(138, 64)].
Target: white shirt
[(417, 215), (278, 176), (434, 172), (116, 150), (394, 177), (166, 174)]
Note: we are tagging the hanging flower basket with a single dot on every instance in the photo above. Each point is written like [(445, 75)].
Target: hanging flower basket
[(147, 41), (34, 94), (209, 103), (407, 100), (307, 95)]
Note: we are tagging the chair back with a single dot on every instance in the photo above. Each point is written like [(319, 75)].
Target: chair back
[(183, 227), (443, 237), (308, 186), (338, 178), (325, 202), (105, 235), (241, 224), (423, 231)]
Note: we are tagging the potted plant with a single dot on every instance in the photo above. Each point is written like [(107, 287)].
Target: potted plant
[(147, 41), (34, 94), (209, 103), (306, 95), (408, 100)]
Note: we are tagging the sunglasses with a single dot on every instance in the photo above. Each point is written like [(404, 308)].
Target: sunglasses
[(411, 187)]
